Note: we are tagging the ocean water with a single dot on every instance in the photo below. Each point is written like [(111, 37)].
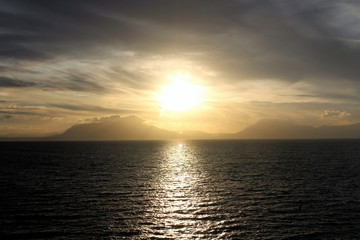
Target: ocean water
[(180, 190)]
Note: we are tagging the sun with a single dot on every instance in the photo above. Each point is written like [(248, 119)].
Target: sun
[(180, 94)]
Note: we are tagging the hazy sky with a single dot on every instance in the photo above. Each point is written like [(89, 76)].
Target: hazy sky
[(67, 62)]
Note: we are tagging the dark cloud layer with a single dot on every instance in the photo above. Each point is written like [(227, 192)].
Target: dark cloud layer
[(77, 82), (87, 108), (288, 40), (14, 83)]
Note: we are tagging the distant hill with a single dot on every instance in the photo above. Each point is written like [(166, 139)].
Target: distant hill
[(126, 128), (134, 128), (278, 129)]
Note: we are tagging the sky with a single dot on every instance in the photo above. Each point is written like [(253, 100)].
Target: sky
[(69, 62)]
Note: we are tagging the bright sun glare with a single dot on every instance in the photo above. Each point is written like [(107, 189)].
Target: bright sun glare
[(180, 95)]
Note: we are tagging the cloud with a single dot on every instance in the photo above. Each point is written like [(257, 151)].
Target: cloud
[(78, 82), (282, 44), (14, 83), (14, 110), (335, 114), (18, 112), (288, 40), (104, 119), (5, 117), (75, 82), (90, 108), (112, 118)]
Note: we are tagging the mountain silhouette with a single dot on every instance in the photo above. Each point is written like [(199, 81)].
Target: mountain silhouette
[(134, 128), (279, 129), (126, 128)]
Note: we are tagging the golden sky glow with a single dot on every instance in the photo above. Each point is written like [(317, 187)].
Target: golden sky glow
[(221, 68)]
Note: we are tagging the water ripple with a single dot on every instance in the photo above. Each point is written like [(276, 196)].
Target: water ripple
[(163, 190)]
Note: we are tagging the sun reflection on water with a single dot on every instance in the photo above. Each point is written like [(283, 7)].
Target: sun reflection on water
[(177, 198)]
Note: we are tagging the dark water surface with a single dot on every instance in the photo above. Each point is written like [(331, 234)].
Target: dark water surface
[(163, 190)]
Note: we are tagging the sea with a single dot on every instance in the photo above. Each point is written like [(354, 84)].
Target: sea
[(209, 189)]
